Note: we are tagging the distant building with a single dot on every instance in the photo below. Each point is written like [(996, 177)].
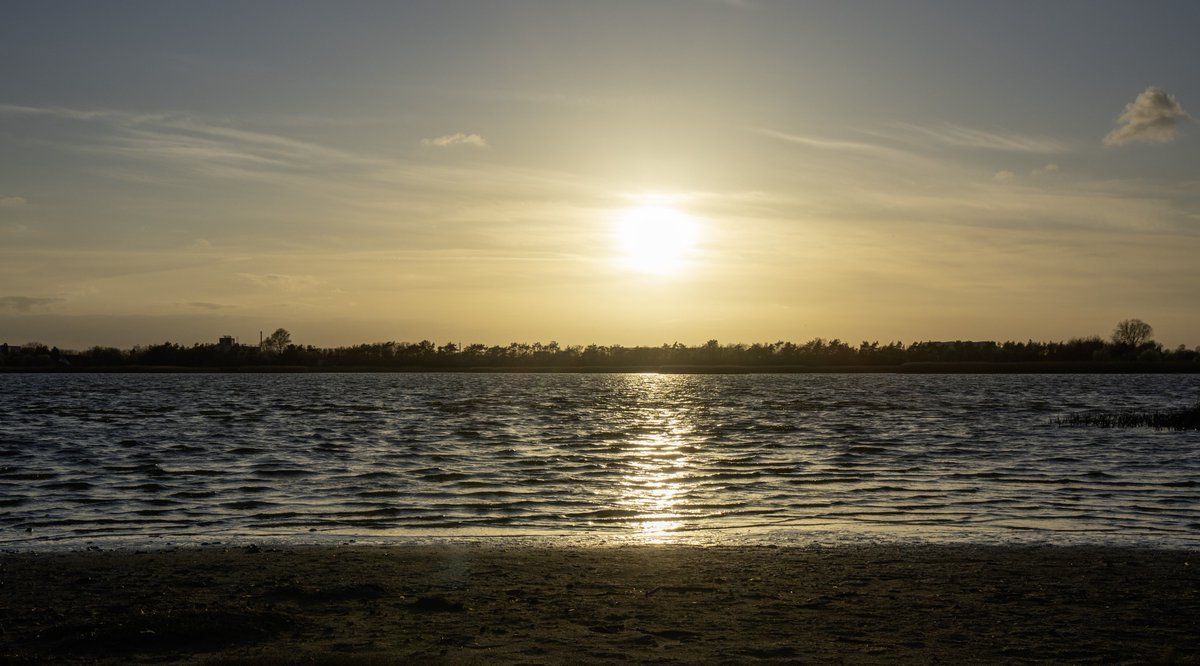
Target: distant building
[(226, 342)]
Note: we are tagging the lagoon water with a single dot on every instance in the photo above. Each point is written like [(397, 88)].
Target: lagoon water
[(190, 458)]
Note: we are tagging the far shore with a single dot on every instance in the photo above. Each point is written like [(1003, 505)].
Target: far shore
[(936, 368), (473, 603)]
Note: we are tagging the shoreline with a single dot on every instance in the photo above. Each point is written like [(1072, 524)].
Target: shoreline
[(915, 368), (488, 603)]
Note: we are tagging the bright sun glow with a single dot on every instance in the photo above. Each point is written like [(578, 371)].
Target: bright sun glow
[(655, 239)]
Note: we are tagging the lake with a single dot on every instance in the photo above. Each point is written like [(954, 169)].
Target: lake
[(143, 459)]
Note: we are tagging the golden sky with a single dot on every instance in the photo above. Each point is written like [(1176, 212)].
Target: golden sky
[(609, 172)]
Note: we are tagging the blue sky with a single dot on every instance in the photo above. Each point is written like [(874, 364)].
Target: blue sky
[(459, 170)]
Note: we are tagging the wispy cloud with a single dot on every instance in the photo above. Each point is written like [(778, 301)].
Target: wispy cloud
[(170, 148), (968, 137), (458, 139), (11, 202), (1151, 118), (25, 303), (209, 306), (825, 143), (554, 97), (1007, 175), (871, 183), (184, 139), (198, 143), (847, 158), (281, 281), (56, 111)]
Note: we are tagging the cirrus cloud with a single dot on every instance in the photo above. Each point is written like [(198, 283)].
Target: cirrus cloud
[(281, 281), (1151, 118), (204, 305), (457, 139)]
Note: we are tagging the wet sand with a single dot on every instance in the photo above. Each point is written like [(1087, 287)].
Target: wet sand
[(474, 603)]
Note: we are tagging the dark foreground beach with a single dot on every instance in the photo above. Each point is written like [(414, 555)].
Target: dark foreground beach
[(520, 604)]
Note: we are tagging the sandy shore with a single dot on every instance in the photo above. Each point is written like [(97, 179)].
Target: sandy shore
[(486, 603)]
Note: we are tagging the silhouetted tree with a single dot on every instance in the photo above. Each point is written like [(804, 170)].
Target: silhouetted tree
[(1132, 332), (104, 356), (277, 341)]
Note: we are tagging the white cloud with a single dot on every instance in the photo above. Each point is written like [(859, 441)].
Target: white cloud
[(11, 202), (1043, 170), (458, 139), (1152, 118), (1003, 176)]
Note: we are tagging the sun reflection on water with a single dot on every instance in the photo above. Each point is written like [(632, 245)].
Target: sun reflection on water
[(657, 464)]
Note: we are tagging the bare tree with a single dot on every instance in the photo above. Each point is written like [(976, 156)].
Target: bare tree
[(1132, 332), (277, 341)]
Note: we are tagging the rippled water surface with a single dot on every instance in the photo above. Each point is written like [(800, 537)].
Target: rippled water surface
[(708, 458)]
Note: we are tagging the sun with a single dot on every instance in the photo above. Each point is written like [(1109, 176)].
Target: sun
[(655, 239)]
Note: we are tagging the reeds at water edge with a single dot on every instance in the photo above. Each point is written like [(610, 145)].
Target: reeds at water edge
[(1176, 419)]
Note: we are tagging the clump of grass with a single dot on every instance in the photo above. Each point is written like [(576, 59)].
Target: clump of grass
[(1176, 419)]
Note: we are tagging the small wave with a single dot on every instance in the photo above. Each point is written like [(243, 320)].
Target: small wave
[(374, 476), (606, 514), (729, 475), (380, 493), (818, 480), (245, 505), (194, 494), (284, 472), (441, 477), (863, 449), (10, 473), (149, 469), (67, 485)]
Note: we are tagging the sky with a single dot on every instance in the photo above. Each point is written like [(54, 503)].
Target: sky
[(607, 172)]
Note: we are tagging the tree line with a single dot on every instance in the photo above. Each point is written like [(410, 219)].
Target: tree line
[(1131, 342)]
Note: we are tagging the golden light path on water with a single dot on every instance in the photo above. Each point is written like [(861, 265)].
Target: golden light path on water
[(657, 464)]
